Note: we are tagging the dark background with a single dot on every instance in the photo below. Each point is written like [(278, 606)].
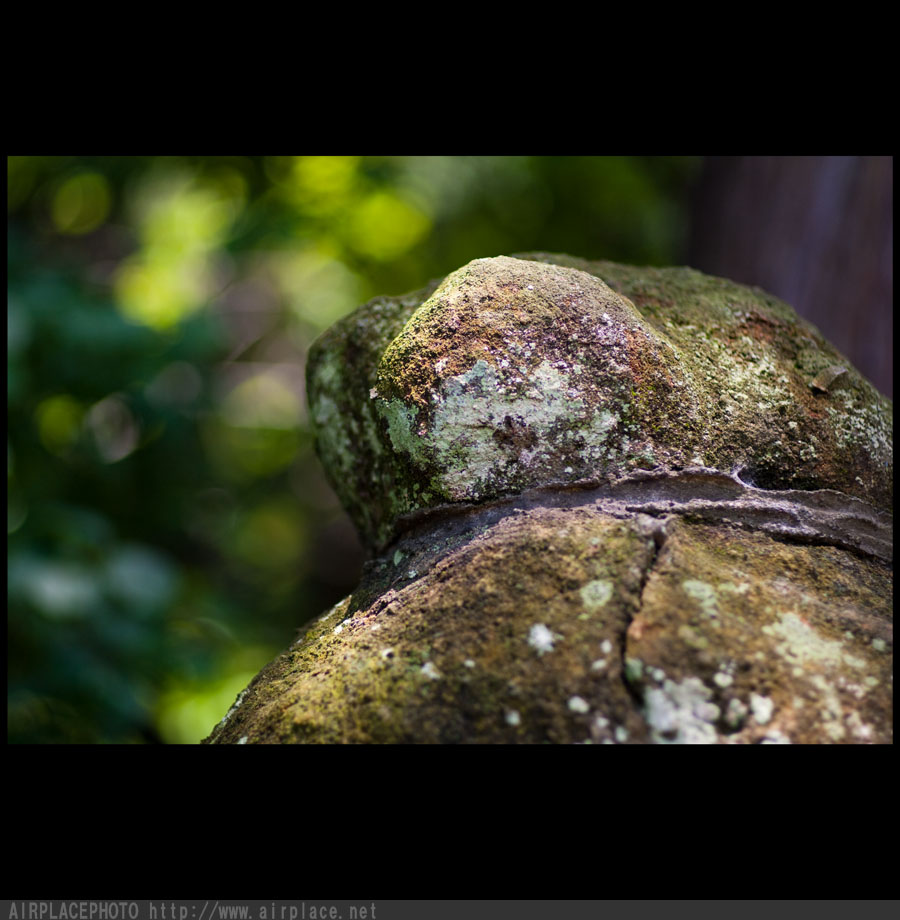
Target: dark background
[(169, 526)]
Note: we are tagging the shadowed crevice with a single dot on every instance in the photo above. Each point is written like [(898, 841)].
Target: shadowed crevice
[(657, 528), (821, 517)]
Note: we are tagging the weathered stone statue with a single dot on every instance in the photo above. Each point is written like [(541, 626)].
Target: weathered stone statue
[(606, 504)]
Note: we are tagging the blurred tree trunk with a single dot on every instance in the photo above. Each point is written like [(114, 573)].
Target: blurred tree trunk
[(816, 232)]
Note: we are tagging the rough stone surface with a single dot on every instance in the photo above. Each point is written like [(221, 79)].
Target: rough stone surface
[(606, 504), (515, 372)]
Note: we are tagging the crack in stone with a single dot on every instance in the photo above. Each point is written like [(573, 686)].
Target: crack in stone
[(657, 529), (822, 517)]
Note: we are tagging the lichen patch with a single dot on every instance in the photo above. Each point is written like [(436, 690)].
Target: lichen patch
[(596, 594)]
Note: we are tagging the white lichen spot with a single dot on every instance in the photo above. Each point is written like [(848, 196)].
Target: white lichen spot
[(596, 432), (461, 440), (400, 420), (803, 645), (762, 708), (578, 704), (831, 711), (855, 690), (658, 674), (864, 428), (681, 713), (469, 663), (860, 729), (398, 557), (705, 595), (774, 736), (596, 594), (621, 734), (879, 645), (541, 639), (430, 671), (513, 718), (723, 680), (606, 646), (599, 664), (735, 713), (242, 739)]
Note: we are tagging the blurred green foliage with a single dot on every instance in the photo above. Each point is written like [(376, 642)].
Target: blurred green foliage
[(169, 526)]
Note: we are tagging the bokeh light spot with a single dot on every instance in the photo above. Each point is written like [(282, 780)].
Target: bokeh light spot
[(141, 578), (318, 287), (263, 401), (114, 427), (59, 423), (271, 536), (239, 454), (181, 224), (159, 293), (186, 221), (81, 204), (59, 590), (384, 226), (323, 185)]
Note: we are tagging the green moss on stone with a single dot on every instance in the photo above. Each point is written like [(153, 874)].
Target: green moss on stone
[(514, 372), (522, 621)]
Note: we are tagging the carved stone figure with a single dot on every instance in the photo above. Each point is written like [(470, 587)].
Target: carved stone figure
[(604, 504)]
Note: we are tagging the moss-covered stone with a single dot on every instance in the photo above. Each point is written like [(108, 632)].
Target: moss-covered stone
[(457, 640), (569, 625), (778, 642), (606, 504), (514, 372)]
